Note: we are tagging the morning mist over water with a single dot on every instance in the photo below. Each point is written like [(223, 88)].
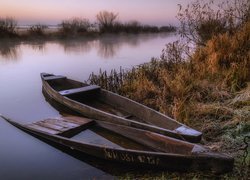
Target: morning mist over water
[(22, 63), (103, 87)]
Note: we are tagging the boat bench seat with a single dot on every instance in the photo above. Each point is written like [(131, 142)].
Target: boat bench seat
[(50, 78), (91, 88)]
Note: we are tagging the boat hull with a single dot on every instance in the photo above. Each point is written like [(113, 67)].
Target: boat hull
[(216, 163), (95, 113)]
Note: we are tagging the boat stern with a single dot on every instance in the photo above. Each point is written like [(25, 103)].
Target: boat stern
[(189, 134), (218, 163), (43, 75)]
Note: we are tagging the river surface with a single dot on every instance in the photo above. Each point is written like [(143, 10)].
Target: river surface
[(24, 157)]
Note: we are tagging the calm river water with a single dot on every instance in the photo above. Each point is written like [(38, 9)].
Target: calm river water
[(25, 157)]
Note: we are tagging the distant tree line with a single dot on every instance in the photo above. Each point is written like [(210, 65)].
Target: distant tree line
[(107, 22), (8, 27)]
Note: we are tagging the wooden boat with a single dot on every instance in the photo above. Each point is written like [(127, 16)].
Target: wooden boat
[(151, 149), (93, 102)]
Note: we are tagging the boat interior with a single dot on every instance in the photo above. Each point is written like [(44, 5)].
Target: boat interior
[(91, 95), (110, 135), (117, 105)]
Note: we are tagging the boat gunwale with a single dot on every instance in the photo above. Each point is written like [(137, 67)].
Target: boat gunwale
[(106, 113), (41, 133), (173, 133), (208, 161)]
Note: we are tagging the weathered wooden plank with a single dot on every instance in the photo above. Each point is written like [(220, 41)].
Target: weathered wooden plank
[(61, 122), (43, 129), (186, 130), (108, 108), (69, 122), (83, 123), (80, 90), (78, 120), (155, 141), (67, 126), (49, 78), (74, 131), (51, 126), (198, 160), (143, 117)]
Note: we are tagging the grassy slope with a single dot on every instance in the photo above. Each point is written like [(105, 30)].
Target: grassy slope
[(209, 91)]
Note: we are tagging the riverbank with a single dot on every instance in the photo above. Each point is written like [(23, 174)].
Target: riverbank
[(47, 34), (207, 89), (51, 34), (220, 114), (74, 28)]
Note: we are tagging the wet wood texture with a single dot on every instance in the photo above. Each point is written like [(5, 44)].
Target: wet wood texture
[(92, 88), (67, 126), (187, 157), (110, 107), (50, 78)]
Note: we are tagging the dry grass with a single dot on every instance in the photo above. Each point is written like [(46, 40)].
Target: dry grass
[(208, 90)]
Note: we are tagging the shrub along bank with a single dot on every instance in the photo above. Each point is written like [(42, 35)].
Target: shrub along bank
[(206, 87)]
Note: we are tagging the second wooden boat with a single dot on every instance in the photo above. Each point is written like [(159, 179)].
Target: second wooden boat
[(93, 102), (127, 145)]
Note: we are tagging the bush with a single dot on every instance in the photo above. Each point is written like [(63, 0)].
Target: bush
[(227, 55), (152, 29), (132, 27), (201, 20), (167, 28), (128, 27), (106, 20), (176, 82), (8, 27), (207, 74), (208, 87), (74, 26), (38, 30)]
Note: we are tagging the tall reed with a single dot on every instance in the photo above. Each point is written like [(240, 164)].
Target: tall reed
[(8, 27)]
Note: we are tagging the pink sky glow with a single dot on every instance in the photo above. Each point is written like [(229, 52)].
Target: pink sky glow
[(154, 12)]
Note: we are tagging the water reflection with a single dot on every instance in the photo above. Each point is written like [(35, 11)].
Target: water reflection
[(37, 45), (107, 46), (10, 50), (21, 98), (81, 46)]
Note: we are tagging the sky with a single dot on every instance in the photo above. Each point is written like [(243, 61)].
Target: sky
[(52, 12)]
